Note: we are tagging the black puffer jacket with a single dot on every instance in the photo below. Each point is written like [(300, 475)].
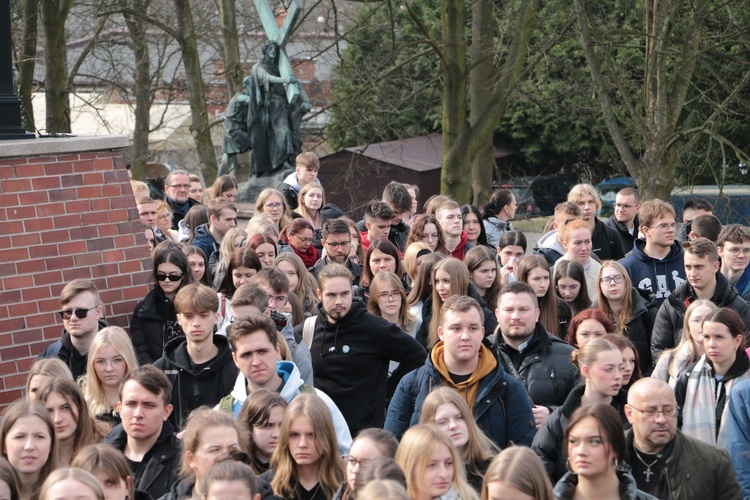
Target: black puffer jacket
[(162, 462), (548, 442), (668, 324), (606, 242), (63, 349), (639, 328), (544, 367), (154, 324)]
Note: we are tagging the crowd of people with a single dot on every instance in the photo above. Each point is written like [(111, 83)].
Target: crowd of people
[(414, 354)]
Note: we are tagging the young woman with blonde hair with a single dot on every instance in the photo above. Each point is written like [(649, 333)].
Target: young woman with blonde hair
[(432, 465), (312, 199), (413, 256), (262, 224), (447, 409), (219, 260), (272, 202), (111, 357), (388, 300), (301, 282), (42, 371), (515, 472), (69, 483)]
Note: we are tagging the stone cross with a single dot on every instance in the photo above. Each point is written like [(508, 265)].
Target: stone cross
[(280, 36)]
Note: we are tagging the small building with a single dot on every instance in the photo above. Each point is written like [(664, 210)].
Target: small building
[(355, 176)]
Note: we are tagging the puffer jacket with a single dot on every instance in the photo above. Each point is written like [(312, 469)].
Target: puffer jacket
[(639, 328), (205, 241), (738, 436), (548, 443), (154, 324), (544, 367), (494, 228), (670, 318), (63, 350), (501, 409), (566, 487)]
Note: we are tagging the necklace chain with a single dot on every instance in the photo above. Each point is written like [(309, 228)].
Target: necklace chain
[(647, 472)]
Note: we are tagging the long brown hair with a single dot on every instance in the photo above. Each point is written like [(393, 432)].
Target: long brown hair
[(548, 303), (256, 411), (417, 229), (383, 278), (474, 259), (422, 286), (459, 276), (620, 319)]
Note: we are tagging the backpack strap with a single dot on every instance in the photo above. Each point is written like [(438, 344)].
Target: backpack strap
[(308, 330)]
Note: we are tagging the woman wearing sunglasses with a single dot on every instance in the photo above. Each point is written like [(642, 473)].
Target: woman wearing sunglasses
[(155, 319)]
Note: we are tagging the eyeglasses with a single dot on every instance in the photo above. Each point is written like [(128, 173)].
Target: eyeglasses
[(278, 299), (80, 313), (272, 206), (737, 251), (664, 227), (168, 277), (668, 412), (350, 460), (388, 295), (180, 186), (303, 240), (338, 244), (166, 216), (608, 280)]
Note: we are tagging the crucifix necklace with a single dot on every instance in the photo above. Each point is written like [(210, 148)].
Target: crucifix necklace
[(647, 472)]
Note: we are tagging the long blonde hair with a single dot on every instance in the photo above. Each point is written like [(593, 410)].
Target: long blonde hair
[(92, 388), (620, 319), (410, 259), (331, 467), (522, 468), (416, 448), (263, 198), (687, 338), (84, 477), (459, 286), (479, 448), (316, 219), (47, 367), (306, 282), (384, 278)]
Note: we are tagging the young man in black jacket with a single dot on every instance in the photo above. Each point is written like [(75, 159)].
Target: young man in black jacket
[(351, 350), (145, 436), (198, 365)]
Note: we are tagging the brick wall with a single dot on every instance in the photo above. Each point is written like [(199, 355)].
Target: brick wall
[(63, 216)]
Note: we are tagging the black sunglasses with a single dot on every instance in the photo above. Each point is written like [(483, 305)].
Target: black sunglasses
[(80, 313), (169, 277)]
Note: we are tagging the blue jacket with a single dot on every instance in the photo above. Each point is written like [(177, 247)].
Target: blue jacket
[(205, 241), (738, 434), (658, 277), (502, 408)]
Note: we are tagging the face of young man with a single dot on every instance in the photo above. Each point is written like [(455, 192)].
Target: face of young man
[(517, 314), (147, 212), (462, 333), (734, 256), (305, 176), (336, 296), (87, 326), (626, 209), (588, 206), (143, 412), (178, 188), (450, 221), (700, 271), (198, 327), (662, 231), (226, 220), (276, 300), (256, 357), (337, 247), (378, 228)]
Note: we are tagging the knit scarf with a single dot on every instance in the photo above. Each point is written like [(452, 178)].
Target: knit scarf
[(309, 257), (699, 410)]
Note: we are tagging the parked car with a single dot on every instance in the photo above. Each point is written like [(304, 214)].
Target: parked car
[(608, 190), (540, 194)]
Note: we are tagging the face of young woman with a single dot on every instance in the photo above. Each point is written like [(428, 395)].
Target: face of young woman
[(69, 489), (578, 246), (472, 226), (450, 419), (302, 240), (27, 444), (380, 261), (538, 280), (511, 251), (212, 443), (720, 346), (221, 490), (589, 455), (589, 329), (484, 276), (274, 207), (196, 191), (362, 449), (695, 323), (197, 267), (64, 415), (437, 478), (266, 253), (110, 366), (164, 221), (230, 194), (169, 269), (611, 289), (389, 300), (242, 275), (442, 284), (266, 435), (291, 273), (605, 374), (313, 199), (302, 444), (430, 236), (628, 365), (114, 488), (36, 383), (568, 288)]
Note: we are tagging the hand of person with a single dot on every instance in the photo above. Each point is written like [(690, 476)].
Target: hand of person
[(507, 270), (541, 414), (292, 79)]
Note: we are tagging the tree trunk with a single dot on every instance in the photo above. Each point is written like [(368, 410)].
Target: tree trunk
[(27, 63), (230, 39), (142, 88), (54, 14), (191, 61)]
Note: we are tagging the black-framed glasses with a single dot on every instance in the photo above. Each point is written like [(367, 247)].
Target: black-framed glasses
[(169, 277), (350, 460), (338, 244), (651, 413), (80, 312), (279, 300), (180, 186), (608, 280)]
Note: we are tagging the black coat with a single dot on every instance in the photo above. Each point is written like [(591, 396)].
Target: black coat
[(639, 328), (628, 240), (63, 350), (177, 216), (154, 324), (606, 242), (162, 462)]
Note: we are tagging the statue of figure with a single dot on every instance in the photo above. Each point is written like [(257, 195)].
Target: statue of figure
[(235, 136), (273, 123)]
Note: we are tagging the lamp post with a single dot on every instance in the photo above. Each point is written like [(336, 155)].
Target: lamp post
[(10, 105)]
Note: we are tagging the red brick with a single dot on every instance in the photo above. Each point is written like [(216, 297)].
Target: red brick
[(51, 209), (10, 296), (89, 192), (83, 165), (143, 278), (39, 224), (60, 168), (7, 172), (113, 255), (28, 336), (11, 227), (21, 212), (13, 161), (9, 367), (26, 239), (74, 180), (111, 296), (88, 259), (43, 183), (25, 309), (111, 177), (121, 216), (103, 164), (24, 365), (47, 278), (123, 202), (4, 243), (131, 227), (82, 206), (29, 266), (100, 204), (123, 308), (62, 195), (33, 198), (14, 254), (4, 214), (119, 281), (16, 185), (93, 179), (10, 396), (100, 244), (42, 251), (121, 321), (104, 271), (107, 230), (33, 170), (10, 200), (43, 319), (36, 293), (125, 241), (130, 266), (4, 314), (56, 236), (52, 305), (13, 324), (17, 380), (84, 233), (93, 218), (110, 190), (72, 247), (76, 273), (59, 263), (73, 220), (134, 293)]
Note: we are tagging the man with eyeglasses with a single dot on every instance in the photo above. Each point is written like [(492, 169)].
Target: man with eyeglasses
[(655, 265), (82, 315), (625, 218), (177, 191), (704, 282), (734, 250), (666, 463), (222, 216), (337, 241)]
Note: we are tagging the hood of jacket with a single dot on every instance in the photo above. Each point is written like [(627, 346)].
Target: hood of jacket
[(639, 252), (621, 226), (723, 295), (501, 225), (549, 240), (156, 306), (640, 304), (287, 370), (566, 486), (202, 230), (175, 352), (291, 179), (118, 438)]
